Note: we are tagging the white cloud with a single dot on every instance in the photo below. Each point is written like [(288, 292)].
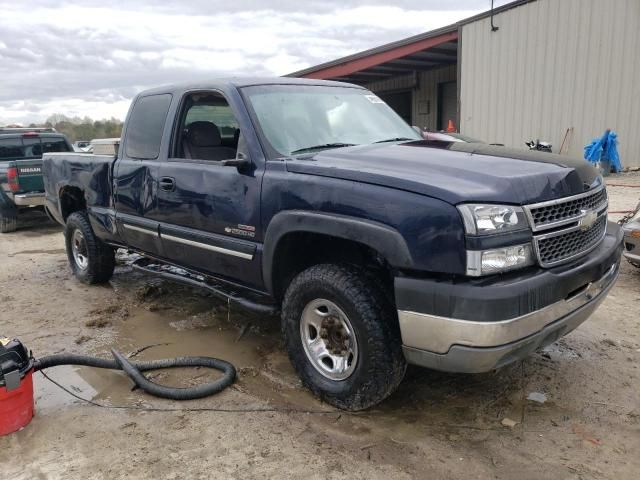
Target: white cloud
[(25, 112), (90, 60)]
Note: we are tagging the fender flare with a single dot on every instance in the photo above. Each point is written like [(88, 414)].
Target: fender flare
[(382, 238)]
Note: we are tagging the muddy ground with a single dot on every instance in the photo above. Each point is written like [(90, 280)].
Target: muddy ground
[(435, 426)]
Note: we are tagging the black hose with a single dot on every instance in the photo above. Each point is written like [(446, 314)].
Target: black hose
[(134, 369)]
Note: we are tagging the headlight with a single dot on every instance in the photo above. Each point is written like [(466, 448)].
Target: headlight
[(486, 262), (488, 219)]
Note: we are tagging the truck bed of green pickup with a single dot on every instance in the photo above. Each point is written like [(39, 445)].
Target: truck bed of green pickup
[(21, 184)]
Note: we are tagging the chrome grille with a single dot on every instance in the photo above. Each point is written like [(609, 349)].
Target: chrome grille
[(551, 214), (564, 245), (559, 233)]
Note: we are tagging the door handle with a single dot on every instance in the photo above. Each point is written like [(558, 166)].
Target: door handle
[(168, 184)]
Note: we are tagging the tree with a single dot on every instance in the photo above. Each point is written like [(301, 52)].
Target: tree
[(77, 128)]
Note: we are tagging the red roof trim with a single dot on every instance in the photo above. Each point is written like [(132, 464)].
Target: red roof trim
[(372, 60)]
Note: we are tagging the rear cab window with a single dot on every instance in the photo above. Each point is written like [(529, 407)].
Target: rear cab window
[(30, 146), (11, 148), (52, 145), (146, 125)]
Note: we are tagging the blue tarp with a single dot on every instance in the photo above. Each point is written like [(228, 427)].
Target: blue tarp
[(605, 150)]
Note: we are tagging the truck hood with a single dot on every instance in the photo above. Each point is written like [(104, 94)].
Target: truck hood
[(454, 171)]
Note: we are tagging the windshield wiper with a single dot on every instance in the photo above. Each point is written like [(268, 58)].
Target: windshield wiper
[(396, 139), (323, 147)]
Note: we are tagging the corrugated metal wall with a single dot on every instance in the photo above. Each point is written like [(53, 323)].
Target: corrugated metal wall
[(425, 92), (554, 64)]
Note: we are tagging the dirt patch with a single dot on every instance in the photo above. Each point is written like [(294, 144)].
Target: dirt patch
[(437, 425), (82, 339), (105, 316), (150, 291), (98, 323)]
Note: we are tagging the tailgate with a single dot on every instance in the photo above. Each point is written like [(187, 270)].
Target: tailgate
[(29, 174)]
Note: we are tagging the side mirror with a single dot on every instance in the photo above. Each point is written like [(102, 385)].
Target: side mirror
[(234, 162), (240, 161)]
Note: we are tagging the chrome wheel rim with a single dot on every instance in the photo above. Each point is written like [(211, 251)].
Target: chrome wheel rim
[(79, 250), (329, 339)]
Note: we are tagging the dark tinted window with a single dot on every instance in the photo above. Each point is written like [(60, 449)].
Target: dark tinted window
[(15, 148), (32, 147), (11, 148), (54, 145), (144, 130)]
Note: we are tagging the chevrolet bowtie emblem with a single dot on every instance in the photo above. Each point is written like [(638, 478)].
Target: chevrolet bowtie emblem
[(589, 217)]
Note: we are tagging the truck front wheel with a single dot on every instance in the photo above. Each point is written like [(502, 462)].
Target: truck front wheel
[(342, 336), (91, 260)]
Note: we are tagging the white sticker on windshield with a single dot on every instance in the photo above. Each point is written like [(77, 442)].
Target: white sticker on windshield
[(374, 99)]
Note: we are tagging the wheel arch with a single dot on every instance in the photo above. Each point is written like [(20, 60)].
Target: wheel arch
[(72, 199), (346, 234)]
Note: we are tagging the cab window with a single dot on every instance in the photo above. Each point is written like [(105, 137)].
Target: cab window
[(145, 127), (208, 129)]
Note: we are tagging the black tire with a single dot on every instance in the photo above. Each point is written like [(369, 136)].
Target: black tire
[(8, 223), (99, 257), (380, 365)]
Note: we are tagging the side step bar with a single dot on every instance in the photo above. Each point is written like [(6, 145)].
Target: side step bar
[(243, 298)]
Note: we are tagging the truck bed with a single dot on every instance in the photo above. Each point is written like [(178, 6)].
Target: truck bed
[(64, 172)]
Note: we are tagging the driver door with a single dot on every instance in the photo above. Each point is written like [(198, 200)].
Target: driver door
[(210, 212)]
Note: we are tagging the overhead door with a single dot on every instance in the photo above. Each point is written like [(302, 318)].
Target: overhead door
[(400, 102), (447, 104)]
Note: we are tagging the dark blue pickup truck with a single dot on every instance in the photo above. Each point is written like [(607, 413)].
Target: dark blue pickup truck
[(379, 248)]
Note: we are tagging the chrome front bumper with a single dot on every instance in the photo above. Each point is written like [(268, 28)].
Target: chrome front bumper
[(457, 345), (29, 199)]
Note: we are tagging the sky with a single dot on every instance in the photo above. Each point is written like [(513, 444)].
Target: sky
[(90, 58)]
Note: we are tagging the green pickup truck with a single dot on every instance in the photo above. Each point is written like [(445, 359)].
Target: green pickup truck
[(21, 184)]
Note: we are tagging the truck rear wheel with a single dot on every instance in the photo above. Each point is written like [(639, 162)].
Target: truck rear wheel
[(342, 336), (8, 223), (91, 260)]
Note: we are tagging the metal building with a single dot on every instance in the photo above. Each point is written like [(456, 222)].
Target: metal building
[(562, 71)]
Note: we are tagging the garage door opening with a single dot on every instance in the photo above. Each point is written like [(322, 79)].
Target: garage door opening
[(447, 104), (400, 102)]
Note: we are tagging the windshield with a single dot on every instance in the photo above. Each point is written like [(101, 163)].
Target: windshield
[(305, 118)]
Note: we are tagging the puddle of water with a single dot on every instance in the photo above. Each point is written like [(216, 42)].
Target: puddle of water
[(192, 335), (174, 321), (264, 370), (89, 383)]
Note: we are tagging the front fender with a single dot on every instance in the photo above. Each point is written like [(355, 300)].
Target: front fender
[(382, 238)]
